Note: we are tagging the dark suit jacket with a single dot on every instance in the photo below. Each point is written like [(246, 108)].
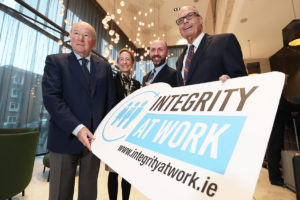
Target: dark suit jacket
[(70, 101), (166, 75), (120, 90), (216, 55)]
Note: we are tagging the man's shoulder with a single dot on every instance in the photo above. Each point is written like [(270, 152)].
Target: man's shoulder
[(99, 60), (147, 74), (170, 69), (60, 55), (221, 36)]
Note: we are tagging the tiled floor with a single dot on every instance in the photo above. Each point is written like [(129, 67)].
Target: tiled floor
[(38, 189)]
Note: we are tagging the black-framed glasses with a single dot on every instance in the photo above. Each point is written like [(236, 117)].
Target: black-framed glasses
[(188, 17)]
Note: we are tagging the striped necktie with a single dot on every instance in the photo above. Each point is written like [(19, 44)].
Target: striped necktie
[(151, 75), (188, 61)]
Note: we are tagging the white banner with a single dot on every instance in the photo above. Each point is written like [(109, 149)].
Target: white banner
[(204, 141)]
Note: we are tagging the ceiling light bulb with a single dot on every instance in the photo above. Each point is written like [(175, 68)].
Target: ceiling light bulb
[(119, 11), (122, 3), (118, 22), (108, 18), (134, 18), (106, 26), (146, 14), (138, 34), (139, 12), (111, 32), (154, 35), (150, 10), (112, 16), (139, 28), (121, 18)]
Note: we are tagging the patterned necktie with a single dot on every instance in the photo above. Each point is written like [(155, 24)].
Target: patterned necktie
[(188, 62), (85, 69), (150, 77)]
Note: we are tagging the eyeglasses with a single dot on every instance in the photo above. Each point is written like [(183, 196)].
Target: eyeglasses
[(188, 17), (124, 59)]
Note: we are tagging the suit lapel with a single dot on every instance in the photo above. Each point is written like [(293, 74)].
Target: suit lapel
[(179, 63), (77, 71), (198, 56), (94, 64), (147, 75)]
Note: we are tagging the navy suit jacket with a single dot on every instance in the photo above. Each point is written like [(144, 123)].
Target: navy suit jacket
[(71, 101), (166, 75), (216, 55)]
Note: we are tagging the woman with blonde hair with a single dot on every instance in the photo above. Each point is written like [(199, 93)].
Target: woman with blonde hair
[(124, 85)]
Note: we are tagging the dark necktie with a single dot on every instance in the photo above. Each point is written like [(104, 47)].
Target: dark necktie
[(85, 69), (188, 62), (150, 77)]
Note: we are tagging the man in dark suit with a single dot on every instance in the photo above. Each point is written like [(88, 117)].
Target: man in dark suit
[(78, 91), (207, 57), (161, 72)]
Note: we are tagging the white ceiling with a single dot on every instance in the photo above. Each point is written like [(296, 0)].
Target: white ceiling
[(260, 36)]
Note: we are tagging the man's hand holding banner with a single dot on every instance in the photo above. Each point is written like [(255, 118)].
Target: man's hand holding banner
[(204, 141)]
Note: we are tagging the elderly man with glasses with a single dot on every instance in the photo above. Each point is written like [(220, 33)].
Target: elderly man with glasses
[(207, 57)]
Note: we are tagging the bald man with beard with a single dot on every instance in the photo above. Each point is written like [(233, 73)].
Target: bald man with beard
[(161, 72)]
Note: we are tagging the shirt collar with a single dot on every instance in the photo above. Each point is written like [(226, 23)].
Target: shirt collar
[(79, 57), (197, 41), (157, 69)]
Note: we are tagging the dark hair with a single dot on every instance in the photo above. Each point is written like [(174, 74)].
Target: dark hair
[(126, 50)]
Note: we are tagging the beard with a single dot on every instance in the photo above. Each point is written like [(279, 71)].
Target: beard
[(159, 62)]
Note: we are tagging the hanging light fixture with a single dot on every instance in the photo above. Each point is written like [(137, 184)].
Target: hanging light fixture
[(291, 33)]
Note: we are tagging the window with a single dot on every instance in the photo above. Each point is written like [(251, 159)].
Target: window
[(11, 120), (14, 93), (13, 107), (19, 80)]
